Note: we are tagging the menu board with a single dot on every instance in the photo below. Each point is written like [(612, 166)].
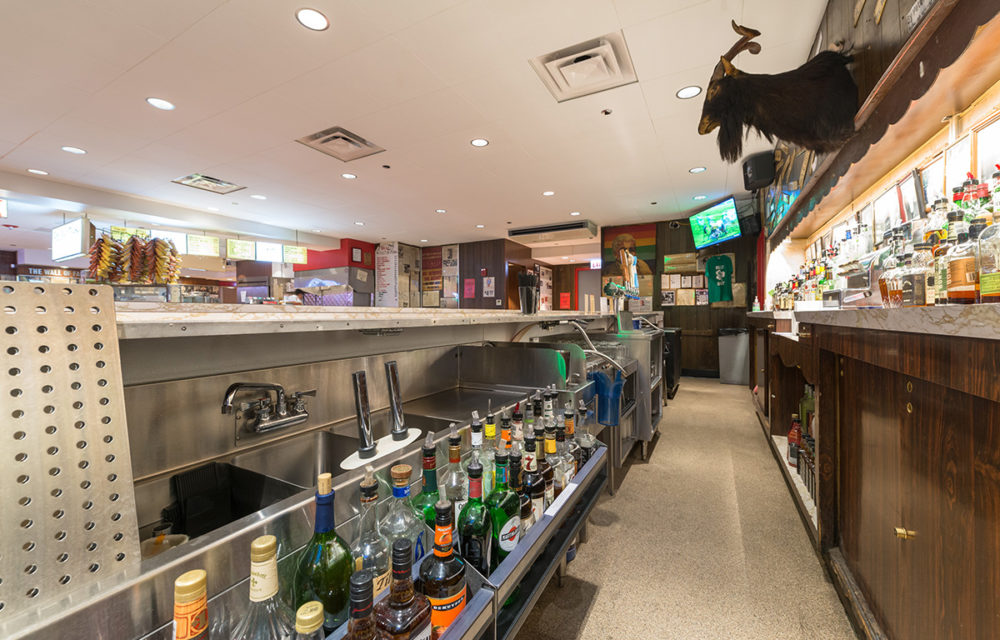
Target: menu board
[(295, 255), (202, 246), (240, 250), (72, 239), (179, 239), (431, 270), (269, 252), (122, 234)]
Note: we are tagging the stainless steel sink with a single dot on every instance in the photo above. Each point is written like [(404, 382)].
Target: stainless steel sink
[(299, 460)]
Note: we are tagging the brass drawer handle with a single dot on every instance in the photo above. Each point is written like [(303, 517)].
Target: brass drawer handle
[(904, 534)]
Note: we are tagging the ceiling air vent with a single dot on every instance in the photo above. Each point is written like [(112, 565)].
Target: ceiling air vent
[(580, 230), (208, 183), (341, 144), (589, 67)]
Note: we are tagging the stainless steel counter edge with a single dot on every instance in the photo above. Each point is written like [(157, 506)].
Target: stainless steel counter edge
[(981, 321)]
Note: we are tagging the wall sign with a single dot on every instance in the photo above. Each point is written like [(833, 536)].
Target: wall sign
[(240, 250), (72, 240), (202, 246), (295, 255), (269, 252)]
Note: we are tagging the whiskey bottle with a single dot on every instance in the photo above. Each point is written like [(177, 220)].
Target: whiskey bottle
[(505, 514), (532, 482), (442, 574), (475, 528), (309, 621), (556, 464), (514, 476), (423, 503), (572, 446), (456, 482), (324, 571), (268, 617), (544, 468), (401, 521), (371, 549), (361, 625), (404, 614), (191, 621), (963, 276)]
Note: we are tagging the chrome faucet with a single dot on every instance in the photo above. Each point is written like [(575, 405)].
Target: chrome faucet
[(366, 443), (258, 414), (395, 401)]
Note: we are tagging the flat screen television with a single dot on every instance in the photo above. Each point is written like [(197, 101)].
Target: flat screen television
[(716, 224)]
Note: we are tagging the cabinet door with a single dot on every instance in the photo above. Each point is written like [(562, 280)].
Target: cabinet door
[(869, 487), (986, 505)]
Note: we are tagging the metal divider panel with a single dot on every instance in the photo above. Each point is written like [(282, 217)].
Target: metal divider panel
[(69, 519)]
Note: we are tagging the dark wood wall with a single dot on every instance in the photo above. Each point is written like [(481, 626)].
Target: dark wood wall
[(700, 325), (472, 258), (8, 260)]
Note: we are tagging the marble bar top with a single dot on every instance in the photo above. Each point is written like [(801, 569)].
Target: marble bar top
[(980, 321), (170, 320)]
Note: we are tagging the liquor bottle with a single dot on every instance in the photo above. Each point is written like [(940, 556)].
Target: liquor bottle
[(489, 453), (361, 625), (556, 464), (532, 482), (514, 478), (963, 276), (404, 614), (191, 620), (505, 432), (402, 521), (477, 453), (268, 617), (423, 503), (584, 438), (324, 571), (538, 407), (442, 574), (923, 265), (548, 404), (517, 425), (371, 549), (572, 446), (794, 439), (309, 620), (544, 467), (456, 482), (475, 528), (505, 513), (989, 261), (562, 450), (940, 254)]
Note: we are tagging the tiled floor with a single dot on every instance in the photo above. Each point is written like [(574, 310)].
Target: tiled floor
[(701, 542)]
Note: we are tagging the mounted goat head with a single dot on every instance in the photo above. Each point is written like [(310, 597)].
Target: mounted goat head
[(812, 106)]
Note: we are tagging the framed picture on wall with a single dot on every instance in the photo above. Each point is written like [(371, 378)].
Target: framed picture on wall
[(668, 298)]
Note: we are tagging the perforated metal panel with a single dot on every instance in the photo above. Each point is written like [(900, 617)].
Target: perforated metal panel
[(68, 507)]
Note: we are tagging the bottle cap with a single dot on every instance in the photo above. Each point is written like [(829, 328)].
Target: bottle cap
[(954, 216), (361, 586), (476, 426), (190, 586), (324, 484), (475, 469), (501, 456), (309, 617), (505, 421), (401, 474), (369, 485), (402, 556), (442, 512), (515, 453), (263, 548), (453, 437)]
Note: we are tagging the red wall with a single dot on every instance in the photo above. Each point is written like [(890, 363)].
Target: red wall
[(340, 257)]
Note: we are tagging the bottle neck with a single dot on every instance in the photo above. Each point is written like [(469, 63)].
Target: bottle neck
[(550, 444), (490, 431), (442, 540), (401, 592), (454, 454), (400, 493), (369, 514), (324, 513), (515, 476), (569, 423), (430, 484), (263, 579), (476, 439), (475, 489), (501, 476), (528, 461)]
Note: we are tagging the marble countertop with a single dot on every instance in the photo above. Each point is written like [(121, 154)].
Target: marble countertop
[(169, 320), (980, 321)]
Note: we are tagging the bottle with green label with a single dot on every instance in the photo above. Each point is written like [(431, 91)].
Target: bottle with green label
[(989, 264), (505, 512)]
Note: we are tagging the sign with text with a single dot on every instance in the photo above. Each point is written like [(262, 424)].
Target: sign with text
[(240, 250), (430, 274), (179, 239), (202, 246), (122, 234), (269, 252), (295, 255)]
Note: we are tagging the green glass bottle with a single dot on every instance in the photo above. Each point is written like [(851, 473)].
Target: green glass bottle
[(324, 571), (505, 512), (475, 528), (423, 503)]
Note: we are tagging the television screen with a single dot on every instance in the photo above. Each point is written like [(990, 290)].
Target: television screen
[(716, 224)]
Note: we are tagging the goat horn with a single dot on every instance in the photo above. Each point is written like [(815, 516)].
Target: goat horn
[(744, 44)]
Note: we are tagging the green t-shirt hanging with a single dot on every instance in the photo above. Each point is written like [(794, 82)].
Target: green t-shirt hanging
[(719, 273)]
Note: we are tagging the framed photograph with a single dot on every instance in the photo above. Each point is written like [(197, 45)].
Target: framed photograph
[(356, 254), (701, 297), (686, 282), (668, 298)]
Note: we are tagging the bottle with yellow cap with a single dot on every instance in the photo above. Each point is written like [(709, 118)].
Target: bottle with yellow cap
[(324, 571), (267, 618), (191, 606), (309, 621)]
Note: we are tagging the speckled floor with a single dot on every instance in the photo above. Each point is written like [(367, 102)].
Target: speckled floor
[(701, 542)]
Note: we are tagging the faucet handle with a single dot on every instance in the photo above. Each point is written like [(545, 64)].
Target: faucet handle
[(297, 402), (299, 394)]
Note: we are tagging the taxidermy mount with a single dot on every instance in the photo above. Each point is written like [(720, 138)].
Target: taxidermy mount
[(812, 106)]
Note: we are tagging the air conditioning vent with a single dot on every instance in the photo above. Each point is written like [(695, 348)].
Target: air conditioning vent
[(208, 183), (579, 230), (341, 144), (589, 67)]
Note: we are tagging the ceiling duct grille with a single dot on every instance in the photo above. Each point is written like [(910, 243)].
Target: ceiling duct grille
[(341, 144), (586, 68), (208, 183)]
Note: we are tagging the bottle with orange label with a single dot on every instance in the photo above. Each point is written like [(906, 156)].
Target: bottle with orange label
[(443, 574), (191, 606)]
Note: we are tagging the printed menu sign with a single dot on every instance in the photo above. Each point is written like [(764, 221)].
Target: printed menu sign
[(269, 252), (203, 246), (387, 275), (240, 250), (295, 255)]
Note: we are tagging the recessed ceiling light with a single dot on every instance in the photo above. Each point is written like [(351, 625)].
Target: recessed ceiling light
[(257, 196), (565, 257), (38, 172), (315, 231), (75, 150), (160, 103), (479, 142), (359, 223), (439, 210), (548, 193), (348, 176), (423, 241), (312, 19), (574, 213), (696, 170), (480, 226), (688, 92), (212, 208), (700, 197)]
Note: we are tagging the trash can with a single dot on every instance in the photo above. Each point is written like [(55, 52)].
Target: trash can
[(734, 356), (609, 393), (671, 360)]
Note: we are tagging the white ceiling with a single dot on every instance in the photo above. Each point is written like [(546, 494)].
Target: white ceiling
[(419, 78)]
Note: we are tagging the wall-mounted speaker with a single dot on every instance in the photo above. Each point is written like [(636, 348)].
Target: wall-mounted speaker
[(749, 218), (758, 170)]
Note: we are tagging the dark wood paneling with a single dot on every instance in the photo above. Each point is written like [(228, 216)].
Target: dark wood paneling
[(472, 258), (986, 525), (8, 260), (826, 448)]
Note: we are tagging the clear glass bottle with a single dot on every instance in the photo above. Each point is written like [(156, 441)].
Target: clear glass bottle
[(514, 478), (505, 512), (940, 253), (371, 549), (886, 282), (922, 268), (405, 614), (989, 263), (556, 462), (442, 573), (267, 618), (489, 453), (532, 482), (402, 521), (586, 440), (423, 503), (309, 620), (456, 482), (963, 272), (562, 450), (572, 446), (325, 567), (361, 625), (544, 468), (475, 528)]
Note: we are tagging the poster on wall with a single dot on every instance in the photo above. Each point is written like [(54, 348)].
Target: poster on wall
[(449, 260), (701, 297), (564, 299), (387, 275), (668, 298), (685, 297), (489, 287), (431, 274), (469, 288), (675, 280), (544, 288), (637, 238)]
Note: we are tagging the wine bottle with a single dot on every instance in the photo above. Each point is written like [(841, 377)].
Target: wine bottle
[(405, 614), (268, 617), (442, 574), (371, 549), (475, 527), (324, 571), (423, 503), (309, 621)]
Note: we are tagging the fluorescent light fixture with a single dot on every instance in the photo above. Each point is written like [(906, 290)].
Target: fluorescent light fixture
[(440, 211), (359, 223), (565, 257), (574, 213), (312, 19), (348, 176), (697, 170), (480, 226), (423, 241), (700, 197), (161, 104), (479, 142), (548, 193), (38, 172), (74, 150), (686, 93), (257, 196)]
